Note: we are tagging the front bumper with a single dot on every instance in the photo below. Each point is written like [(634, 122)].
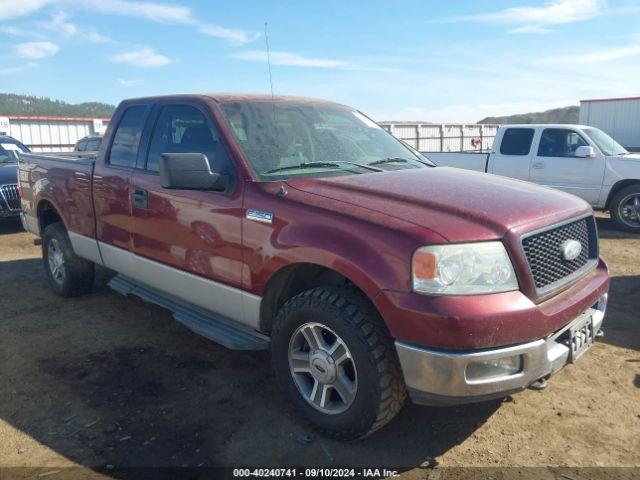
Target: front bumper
[(439, 377)]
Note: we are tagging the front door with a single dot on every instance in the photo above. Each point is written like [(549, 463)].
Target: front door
[(555, 165), (188, 243)]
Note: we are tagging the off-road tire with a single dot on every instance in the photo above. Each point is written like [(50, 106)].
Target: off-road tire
[(615, 207), (381, 391), (79, 273)]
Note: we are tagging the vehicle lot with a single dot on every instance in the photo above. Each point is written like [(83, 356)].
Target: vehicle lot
[(108, 380)]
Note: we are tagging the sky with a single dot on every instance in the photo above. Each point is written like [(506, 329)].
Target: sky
[(436, 61)]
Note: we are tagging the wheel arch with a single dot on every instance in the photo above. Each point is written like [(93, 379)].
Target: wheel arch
[(296, 278), (47, 213), (619, 186)]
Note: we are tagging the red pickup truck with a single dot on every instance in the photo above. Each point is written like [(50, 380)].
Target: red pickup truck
[(301, 226)]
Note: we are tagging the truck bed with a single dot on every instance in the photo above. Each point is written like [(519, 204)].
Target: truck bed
[(477, 161), (65, 181)]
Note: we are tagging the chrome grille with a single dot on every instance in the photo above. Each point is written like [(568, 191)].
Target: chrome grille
[(544, 254), (11, 196)]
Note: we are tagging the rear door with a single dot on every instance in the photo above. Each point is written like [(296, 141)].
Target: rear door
[(555, 164), (188, 243), (513, 155), (111, 183)]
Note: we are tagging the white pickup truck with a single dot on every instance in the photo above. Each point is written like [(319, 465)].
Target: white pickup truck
[(577, 159)]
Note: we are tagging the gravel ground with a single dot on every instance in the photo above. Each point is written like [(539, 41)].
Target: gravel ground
[(107, 380)]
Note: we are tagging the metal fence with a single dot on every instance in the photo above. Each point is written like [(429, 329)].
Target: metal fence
[(427, 137), (50, 134)]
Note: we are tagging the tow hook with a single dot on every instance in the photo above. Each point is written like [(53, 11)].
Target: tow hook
[(539, 384)]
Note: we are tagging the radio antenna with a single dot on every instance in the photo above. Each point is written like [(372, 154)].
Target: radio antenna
[(266, 40)]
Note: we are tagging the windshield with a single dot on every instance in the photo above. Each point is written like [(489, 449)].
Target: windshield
[(5, 151), (285, 139), (605, 143)]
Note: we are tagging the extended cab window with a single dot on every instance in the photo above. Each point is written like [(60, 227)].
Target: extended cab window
[(558, 142), (184, 129), (516, 141), (126, 140)]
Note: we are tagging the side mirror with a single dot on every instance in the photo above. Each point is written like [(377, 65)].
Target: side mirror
[(585, 151), (190, 171)]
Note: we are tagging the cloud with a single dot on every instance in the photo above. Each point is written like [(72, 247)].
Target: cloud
[(294, 60), (14, 9), (130, 82), (95, 37), (233, 36), (17, 69), (165, 13), (58, 23), (537, 19), (155, 12), (145, 57), (36, 50), (170, 14)]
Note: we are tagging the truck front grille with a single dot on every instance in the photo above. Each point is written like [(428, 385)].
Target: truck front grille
[(11, 196), (544, 252)]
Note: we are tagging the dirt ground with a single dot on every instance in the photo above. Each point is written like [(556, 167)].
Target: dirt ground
[(108, 380)]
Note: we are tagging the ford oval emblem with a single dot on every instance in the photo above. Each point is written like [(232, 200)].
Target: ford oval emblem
[(571, 249)]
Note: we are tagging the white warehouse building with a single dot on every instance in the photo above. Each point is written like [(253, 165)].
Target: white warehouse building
[(619, 117), (50, 134)]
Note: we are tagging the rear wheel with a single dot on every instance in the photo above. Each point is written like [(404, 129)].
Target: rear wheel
[(334, 358), (625, 208), (68, 274)]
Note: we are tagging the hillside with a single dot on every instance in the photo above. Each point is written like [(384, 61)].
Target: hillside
[(556, 115), (11, 104)]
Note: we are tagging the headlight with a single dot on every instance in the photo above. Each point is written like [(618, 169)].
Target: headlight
[(463, 269)]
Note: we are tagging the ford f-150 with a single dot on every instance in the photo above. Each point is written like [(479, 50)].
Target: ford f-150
[(577, 159), (301, 226)]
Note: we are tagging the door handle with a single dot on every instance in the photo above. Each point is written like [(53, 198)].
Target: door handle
[(140, 198), (538, 165)]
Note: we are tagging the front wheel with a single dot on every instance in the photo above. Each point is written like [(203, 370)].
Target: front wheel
[(334, 358), (625, 208), (68, 274)]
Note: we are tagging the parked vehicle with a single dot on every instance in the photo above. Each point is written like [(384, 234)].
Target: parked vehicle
[(90, 143), (301, 226), (9, 198), (577, 159)]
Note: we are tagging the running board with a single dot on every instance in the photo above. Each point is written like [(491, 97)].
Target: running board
[(223, 331)]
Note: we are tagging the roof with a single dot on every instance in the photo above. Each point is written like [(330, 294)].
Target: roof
[(237, 97), (614, 99), (545, 125)]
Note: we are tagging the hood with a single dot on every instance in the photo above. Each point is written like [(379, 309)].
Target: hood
[(8, 173), (460, 205)]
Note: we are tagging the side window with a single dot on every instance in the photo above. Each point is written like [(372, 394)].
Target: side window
[(516, 141), (126, 140), (82, 146), (558, 142), (184, 129)]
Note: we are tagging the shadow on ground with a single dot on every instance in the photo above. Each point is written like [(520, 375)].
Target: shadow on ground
[(608, 229), (107, 380), (10, 225), (622, 324)]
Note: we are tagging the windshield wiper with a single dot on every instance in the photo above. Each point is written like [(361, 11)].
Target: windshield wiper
[(304, 165), (390, 160)]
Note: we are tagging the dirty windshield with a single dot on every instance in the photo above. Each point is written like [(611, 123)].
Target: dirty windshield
[(284, 139)]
